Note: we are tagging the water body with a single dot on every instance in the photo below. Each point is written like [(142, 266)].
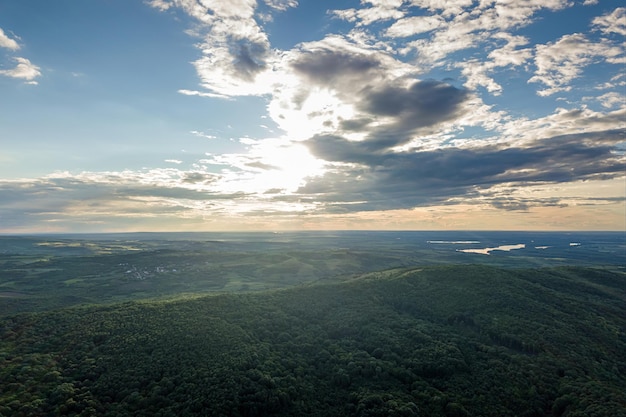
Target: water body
[(487, 251), (453, 242)]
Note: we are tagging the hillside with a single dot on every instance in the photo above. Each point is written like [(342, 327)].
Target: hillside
[(432, 341)]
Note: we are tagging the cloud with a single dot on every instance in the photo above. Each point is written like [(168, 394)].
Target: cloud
[(199, 178), (393, 180), (423, 103), (343, 64), (262, 166), (520, 132), (24, 70), (614, 22), (463, 25), (202, 94), (478, 72), (155, 198), (6, 42), (380, 10), (236, 56), (560, 62), (281, 4), (447, 9), (321, 83), (414, 25), (612, 99), (355, 180), (160, 4), (57, 191), (202, 134), (328, 67), (392, 114), (618, 80)]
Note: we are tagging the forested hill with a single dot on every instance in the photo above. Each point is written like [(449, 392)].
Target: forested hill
[(435, 341)]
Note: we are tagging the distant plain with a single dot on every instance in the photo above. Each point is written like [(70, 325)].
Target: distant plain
[(52, 271)]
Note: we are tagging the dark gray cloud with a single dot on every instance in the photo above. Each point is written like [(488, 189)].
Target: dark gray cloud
[(355, 124), (261, 165), (388, 180), (423, 103), (199, 178), (329, 67), (249, 58), (334, 148), (390, 110), (524, 204)]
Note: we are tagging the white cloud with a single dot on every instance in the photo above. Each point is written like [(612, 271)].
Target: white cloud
[(561, 62), (617, 81), (236, 57), (414, 25), (202, 94), (202, 134), (281, 4), (6, 42), (446, 9), (614, 22), (160, 4), (612, 99), (514, 13), (561, 122), (464, 24), (381, 10), (24, 70), (509, 54), (477, 72)]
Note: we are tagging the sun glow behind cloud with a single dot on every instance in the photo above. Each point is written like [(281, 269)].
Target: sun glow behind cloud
[(269, 164)]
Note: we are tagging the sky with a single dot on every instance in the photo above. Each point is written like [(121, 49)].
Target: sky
[(271, 115)]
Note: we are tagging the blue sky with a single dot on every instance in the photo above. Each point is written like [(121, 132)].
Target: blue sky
[(124, 115)]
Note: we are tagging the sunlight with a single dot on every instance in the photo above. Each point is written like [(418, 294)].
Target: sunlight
[(270, 167), (294, 164), (303, 114)]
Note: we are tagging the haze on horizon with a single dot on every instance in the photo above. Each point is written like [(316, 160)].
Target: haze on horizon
[(212, 115)]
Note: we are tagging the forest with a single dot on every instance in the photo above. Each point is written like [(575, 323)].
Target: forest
[(427, 340)]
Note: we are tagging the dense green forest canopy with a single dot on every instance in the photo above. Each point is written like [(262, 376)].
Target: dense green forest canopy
[(459, 340)]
